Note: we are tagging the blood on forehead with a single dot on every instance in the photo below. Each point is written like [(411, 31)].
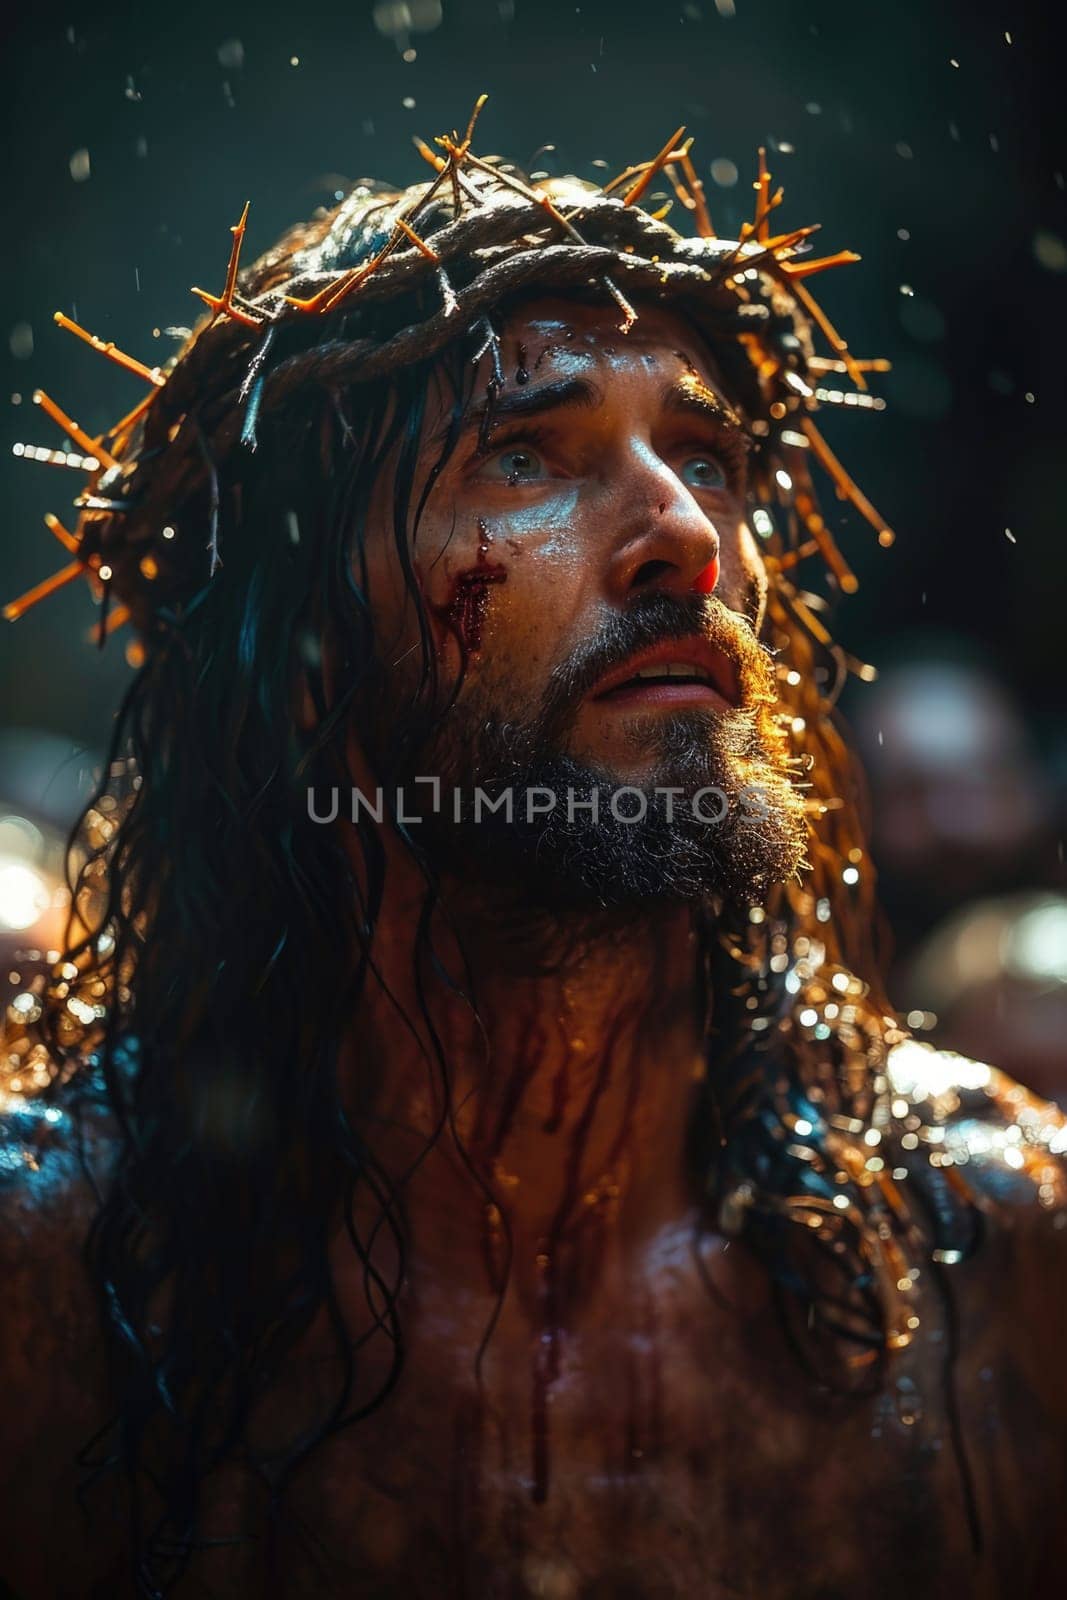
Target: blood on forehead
[(577, 333)]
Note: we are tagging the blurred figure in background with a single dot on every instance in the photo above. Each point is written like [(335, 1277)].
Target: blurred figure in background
[(991, 982), (961, 805), (963, 811)]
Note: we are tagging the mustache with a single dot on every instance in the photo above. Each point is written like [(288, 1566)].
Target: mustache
[(653, 620)]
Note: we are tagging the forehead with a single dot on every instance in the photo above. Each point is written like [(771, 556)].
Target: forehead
[(563, 333)]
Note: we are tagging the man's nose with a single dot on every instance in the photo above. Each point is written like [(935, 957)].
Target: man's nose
[(665, 540)]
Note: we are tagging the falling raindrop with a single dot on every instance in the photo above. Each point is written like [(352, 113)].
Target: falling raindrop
[(20, 341)]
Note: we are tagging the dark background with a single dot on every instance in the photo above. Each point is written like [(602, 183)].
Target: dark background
[(925, 134)]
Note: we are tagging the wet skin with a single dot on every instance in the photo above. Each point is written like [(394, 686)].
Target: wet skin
[(637, 1425)]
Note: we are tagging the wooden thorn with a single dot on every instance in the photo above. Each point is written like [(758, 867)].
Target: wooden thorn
[(114, 620), (808, 269), (65, 537), (475, 114), (786, 241), (623, 177), (696, 189), (420, 244), (314, 302), (89, 447), (809, 619), (763, 190), (793, 558), (127, 422), (757, 229), (844, 485), (238, 231), (437, 162), (218, 305), (829, 332), (110, 349), (222, 304), (634, 193), (829, 364), (826, 543), (354, 279), (629, 315), (17, 608), (680, 190)]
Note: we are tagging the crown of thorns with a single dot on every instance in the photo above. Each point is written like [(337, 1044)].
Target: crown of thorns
[(332, 305)]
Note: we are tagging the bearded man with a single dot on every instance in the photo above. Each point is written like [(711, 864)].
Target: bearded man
[(500, 1172)]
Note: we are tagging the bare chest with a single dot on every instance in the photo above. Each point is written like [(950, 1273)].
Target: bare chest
[(677, 1452)]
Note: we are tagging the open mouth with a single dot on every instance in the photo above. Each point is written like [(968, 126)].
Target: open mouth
[(676, 672)]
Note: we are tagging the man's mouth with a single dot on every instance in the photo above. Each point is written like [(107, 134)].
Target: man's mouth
[(678, 672)]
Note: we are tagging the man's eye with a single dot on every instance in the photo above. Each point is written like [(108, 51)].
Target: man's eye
[(516, 465), (703, 472)]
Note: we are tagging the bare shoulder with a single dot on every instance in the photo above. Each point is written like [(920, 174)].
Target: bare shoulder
[(1005, 1144), (52, 1160), (1005, 1150), (51, 1346)]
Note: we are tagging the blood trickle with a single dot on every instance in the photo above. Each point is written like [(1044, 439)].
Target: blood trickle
[(464, 612), (560, 1281), (522, 374)]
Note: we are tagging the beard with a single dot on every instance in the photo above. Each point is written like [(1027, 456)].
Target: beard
[(715, 816)]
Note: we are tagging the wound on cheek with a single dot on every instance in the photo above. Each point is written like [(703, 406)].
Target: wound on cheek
[(464, 612)]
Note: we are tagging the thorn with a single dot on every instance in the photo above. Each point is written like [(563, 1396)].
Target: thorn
[(475, 114), (629, 315), (763, 204), (217, 304), (634, 193), (149, 374), (420, 244), (829, 332), (222, 304), (816, 527), (17, 608), (808, 269), (826, 364), (844, 485), (89, 447), (115, 619), (696, 189), (65, 537), (793, 558), (121, 428), (437, 162)]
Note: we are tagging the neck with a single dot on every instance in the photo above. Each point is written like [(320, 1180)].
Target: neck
[(570, 1083)]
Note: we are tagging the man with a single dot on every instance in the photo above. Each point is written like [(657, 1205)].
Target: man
[(499, 1182)]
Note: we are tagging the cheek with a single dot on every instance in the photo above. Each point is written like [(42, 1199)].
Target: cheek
[(751, 583), (502, 585)]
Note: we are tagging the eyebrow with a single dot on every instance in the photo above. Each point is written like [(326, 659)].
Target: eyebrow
[(567, 392), (688, 395), (692, 396)]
